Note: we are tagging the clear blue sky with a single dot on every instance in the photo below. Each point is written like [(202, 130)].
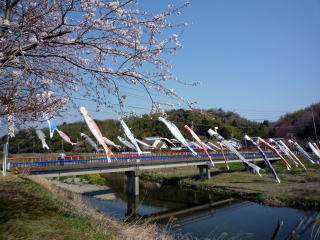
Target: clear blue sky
[(259, 58)]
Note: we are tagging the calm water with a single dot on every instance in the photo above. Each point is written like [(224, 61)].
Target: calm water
[(192, 216)]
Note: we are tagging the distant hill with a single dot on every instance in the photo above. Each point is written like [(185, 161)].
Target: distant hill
[(230, 125), (300, 124)]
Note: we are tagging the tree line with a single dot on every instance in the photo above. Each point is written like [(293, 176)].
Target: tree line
[(298, 125)]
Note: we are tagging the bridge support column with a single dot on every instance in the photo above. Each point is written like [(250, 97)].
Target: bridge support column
[(133, 182), (132, 208), (205, 172), (249, 169)]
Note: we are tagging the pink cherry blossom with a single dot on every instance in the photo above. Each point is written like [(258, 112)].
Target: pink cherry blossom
[(51, 49)]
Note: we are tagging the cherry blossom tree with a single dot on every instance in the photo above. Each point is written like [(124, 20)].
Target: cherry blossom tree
[(52, 51)]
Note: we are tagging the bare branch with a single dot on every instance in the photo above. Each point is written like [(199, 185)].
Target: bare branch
[(50, 50)]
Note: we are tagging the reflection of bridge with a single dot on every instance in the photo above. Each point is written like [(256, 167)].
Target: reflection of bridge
[(186, 215), (131, 164), (189, 211)]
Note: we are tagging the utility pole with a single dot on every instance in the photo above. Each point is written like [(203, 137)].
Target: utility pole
[(314, 125)]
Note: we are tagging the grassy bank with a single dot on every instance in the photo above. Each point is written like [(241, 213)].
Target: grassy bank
[(38, 210), (298, 188)]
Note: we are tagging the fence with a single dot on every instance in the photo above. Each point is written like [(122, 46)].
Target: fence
[(122, 158)]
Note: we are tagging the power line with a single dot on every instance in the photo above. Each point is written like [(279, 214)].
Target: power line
[(259, 114), (145, 108)]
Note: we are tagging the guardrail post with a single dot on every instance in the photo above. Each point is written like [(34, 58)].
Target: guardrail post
[(62, 158), (132, 182)]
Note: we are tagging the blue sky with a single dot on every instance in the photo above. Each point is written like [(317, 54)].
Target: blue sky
[(259, 58)]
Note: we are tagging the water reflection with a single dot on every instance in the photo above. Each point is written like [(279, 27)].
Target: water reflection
[(133, 205), (315, 232), (309, 221), (249, 220), (207, 216), (277, 230)]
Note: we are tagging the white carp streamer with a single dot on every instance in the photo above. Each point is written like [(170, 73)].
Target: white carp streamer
[(232, 149), (111, 143), (42, 138), (90, 141), (95, 131), (130, 136), (302, 151), (284, 150), (162, 139), (260, 140), (209, 147), (215, 146), (292, 154), (265, 158), (126, 143), (314, 150), (144, 144), (177, 134)]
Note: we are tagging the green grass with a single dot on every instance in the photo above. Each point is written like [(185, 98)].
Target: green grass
[(298, 187), (93, 179), (29, 211)]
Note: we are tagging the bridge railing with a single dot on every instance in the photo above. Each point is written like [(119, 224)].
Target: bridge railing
[(123, 158)]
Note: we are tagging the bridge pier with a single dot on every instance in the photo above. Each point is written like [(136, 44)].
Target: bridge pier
[(205, 172), (132, 182), (132, 208), (249, 169)]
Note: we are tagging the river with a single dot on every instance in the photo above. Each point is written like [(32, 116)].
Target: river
[(201, 215)]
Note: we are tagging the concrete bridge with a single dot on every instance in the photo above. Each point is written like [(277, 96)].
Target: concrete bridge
[(131, 164)]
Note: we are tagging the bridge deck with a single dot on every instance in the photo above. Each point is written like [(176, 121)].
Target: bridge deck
[(50, 166)]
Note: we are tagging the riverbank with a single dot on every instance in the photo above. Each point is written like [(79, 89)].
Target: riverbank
[(298, 188), (84, 188), (34, 208)]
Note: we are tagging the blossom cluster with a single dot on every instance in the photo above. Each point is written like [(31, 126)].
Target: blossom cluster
[(49, 50)]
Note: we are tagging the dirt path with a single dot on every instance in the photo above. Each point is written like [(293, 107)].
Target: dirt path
[(101, 192)]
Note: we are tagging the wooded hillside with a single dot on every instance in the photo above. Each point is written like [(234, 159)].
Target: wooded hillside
[(301, 124), (298, 125)]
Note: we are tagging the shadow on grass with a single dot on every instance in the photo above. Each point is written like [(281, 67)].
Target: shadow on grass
[(177, 180), (219, 172), (25, 202)]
